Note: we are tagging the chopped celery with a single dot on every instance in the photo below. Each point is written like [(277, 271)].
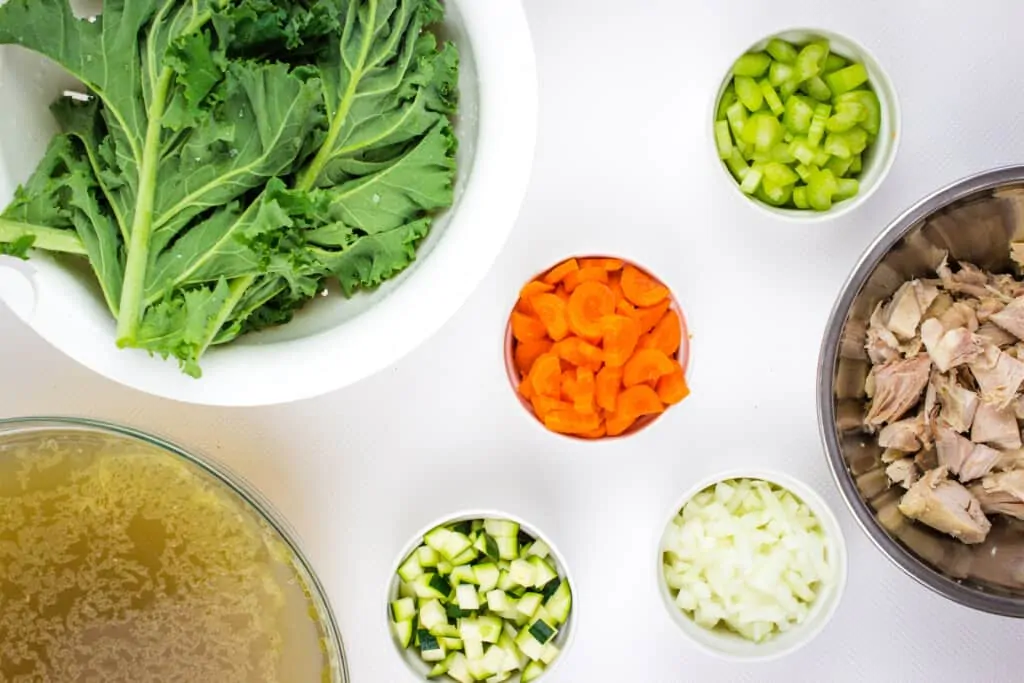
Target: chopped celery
[(837, 145), (781, 154), (805, 171), (847, 79), (818, 121), (728, 97), (737, 164), (782, 51), (779, 175), (846, 115), (763, 131), (869, 100), (811, 60), (821, 158), (856, 164), (821, 189), (723, 139), (787, 89), (780, 73), (752, 180), (816, 88), (856, 139), (798, 115), (846, 188), (834, 63), (748, 92), (839, 167), (800, 197), (774, 195), (752, 65), (802, 151), (771, 98), (737, 116)]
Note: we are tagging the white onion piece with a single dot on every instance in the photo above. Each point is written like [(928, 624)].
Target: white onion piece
[(748, 556)]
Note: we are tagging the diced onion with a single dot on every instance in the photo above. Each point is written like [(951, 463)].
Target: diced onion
[(748, 556)]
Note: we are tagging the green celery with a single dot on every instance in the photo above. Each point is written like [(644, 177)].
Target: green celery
[(779, 175), (869, 100), (752, 65), (821, 189), (847, 79), (782, 154), (846, 188), (856, 164), (737, 116), (800, 197), (780, 73), (839, 166), (752, 180), (728, 97), (782, 51), (798, 115), (771, 98), (737, 164), (818, 121), (837, 145), (846, 115), (748, 92), (834, 63), (816, 88), (723, 139), (805, 171), (802, 151), (811, 60)]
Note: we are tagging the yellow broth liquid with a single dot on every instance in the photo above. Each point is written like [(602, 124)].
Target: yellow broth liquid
[(120, 562)]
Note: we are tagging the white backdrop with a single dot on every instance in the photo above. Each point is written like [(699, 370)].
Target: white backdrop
[(624, 167)]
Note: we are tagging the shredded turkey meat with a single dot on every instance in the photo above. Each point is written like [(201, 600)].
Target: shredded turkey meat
[(946, 391)]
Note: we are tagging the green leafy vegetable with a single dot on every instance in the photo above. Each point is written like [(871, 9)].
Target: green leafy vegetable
[(236, 154)]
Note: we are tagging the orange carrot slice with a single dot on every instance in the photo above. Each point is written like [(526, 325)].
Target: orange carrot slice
[(588, 303), (558, 273), (562, 294), (672, 388), (651, 316), (667, 335), (617, 423), (546, 375), (542, 405), (638, 401), (527, 328), (579, 352), (571, 422), (530, 290), (646, 365), (642, 289), (607, 264), (595, 433), (527, 352), (569, 388), (620, 336), (583, 401), (606, 387), (526, 389), (577, 277), (551, 311)]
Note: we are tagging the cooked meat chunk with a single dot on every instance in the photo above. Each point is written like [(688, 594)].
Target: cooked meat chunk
[(882, 345), (946, 506), (958, 404), (999, 376), (898, 386), (993, 334), (980, 462), (1002, 493), (903, 472), (1011, 318), (904, 312), (986, 308), (952, 448), (904, 435), (995, 426), (959, 315), (951, 348), (968, 280)]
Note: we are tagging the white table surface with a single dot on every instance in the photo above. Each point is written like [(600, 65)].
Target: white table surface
[(623, 167)]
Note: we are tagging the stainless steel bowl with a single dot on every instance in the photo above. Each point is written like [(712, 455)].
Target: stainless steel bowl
[(974, 220)]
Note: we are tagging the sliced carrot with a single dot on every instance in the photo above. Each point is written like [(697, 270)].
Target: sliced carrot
[(608, 264), (526, 389), (562, 294), (583, 401), (569, 388), (571, 422), (551, 311), (606, 387), (646, 365), (620, 336), (642, 289), (527, 352), (667, 335), (617, 423), (595, 433), (650, 316), (588, 303), (672, 388), (529, 290), (579, 352), (558, 273), (527, 328), (577, 277), (546, 375), (639, 401), (615, 284), (542, 405)]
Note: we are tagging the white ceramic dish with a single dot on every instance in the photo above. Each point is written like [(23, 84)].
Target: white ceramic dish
[(731, 646), (882, 154), (563, 639), (334, 342)]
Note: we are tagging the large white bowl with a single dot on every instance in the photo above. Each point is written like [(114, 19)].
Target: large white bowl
[(335, 342)]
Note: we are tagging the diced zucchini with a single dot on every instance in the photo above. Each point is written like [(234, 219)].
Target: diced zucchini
[(494, 659), (539, 549), (478, 669), (432, 615), (427, 556), (474, 649), (543, 572), (542, 631), (501, 528), (559, 604), (436, 538), (444, 567), (456, 612), (522, 572), (466, 597), (451, 644), (431, 585), (508, 547), (403, 609), (403, 632), (441, 668), (430, 649), (550, 587), (458, 668), (465, 557), (532, 672), (455, 544), (486, 545), (529, 646), (549, 654), (490, 628), (464, 574), (487, 576), (410, 569), (445, 630), (497, 601), (528, 604)]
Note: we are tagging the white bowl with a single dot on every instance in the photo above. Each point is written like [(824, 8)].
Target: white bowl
[(563, 639), (731, 646), (335, 342), (882, 154)]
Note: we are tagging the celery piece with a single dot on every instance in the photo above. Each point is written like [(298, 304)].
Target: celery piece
[(847, 79), (802, 151), (856, 139), (773, 194), (771, 97), (846, 115), (837, 145), (856, 164), (821, 158), (846, 188), (798, 115), (818, 121), (752, 180), (821, 189), (800, 197), (759, 157), (811, 60), (728, 97), (779, 175), (737, 116), (788, 136), (869, 100), (737, 165), (723, 139), (763, 131), (782, 51), (751, 65), (816, 88), (787, 89), (805, 171), (780, 73), (833, 63), (781, 153), (840, 167), (748, 92)]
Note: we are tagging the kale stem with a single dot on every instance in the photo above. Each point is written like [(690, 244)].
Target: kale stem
[(238, 288), (47, 239)]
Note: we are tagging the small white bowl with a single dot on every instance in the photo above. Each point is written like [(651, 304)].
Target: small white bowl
[(732, 646), (566, 634), (877, 162)]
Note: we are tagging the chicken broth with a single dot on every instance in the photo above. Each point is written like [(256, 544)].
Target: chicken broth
[(121, 562)]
